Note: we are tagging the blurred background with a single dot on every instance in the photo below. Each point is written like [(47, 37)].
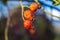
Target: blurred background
[(47, 26)]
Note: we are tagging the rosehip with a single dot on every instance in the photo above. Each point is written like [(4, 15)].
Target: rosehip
[(28, 14), (32, 31), (34, 6), (27, 24)]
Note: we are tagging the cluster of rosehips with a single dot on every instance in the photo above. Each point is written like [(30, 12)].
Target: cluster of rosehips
[(29, 16)]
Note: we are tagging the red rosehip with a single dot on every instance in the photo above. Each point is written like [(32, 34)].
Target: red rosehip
[(27, 24)]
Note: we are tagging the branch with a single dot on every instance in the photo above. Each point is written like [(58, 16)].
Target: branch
[(6, 29), (7, 26), (50, 14), (22, 10)]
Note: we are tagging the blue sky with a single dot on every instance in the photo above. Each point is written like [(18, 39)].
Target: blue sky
[(13, 4), (47, 2)]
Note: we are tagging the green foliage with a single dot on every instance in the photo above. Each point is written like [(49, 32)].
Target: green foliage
[(56, 2), (57, 38), (40, 24)]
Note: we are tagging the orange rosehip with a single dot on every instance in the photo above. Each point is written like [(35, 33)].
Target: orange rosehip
[(32, 31), (27, 24), (34, 7), (28, 14)]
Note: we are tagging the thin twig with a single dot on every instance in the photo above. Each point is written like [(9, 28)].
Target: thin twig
[(51, 14), (6, 29), (22, 10), (7, 25)]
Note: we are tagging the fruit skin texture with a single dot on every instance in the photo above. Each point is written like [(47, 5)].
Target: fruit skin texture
[(34, 6), (28, 14), (32, 31), (27, 24)]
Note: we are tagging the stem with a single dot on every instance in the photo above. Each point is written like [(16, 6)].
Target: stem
[(22, 10), (51, 14), (26, 6), (7, 26), (36, 0), (6, 29)]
